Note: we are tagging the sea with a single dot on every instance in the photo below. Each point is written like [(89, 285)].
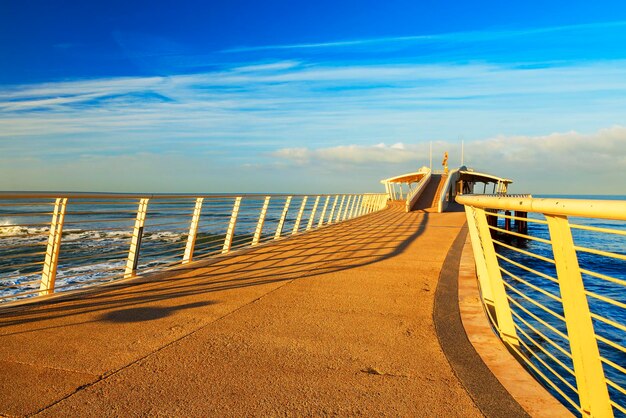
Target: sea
[(97, 232)]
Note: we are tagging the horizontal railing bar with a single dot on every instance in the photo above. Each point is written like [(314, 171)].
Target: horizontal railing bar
[(534, 302), (21, 294), (549, 354), (554, 372), (605, 299), (26, 214), (611, 343), (99, 255), (617, 406), (532, 286), (115, 228), (540, 373), (608, 321), (600, 252), (528, 269), (614, 365), (44, 224), (518, 218), (34, 263), (34, 244), (598, 229), (603, 277), (19, 255), (603, 209), (20, 274), (22, 283), (517, 234), (21, 203), (186, 216), (149, 224), (536, 318), (159, 262), (71, 212), (519, 250), (173, 196), (100, 280), (83, 273), (95, 221), (152, 254)]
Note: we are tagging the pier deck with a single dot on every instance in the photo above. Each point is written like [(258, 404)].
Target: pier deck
[(338, 321)]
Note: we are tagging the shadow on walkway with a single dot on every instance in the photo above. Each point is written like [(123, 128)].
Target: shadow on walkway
[(345, 246)]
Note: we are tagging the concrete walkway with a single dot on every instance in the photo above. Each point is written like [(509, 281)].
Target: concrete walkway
[(334, 322)]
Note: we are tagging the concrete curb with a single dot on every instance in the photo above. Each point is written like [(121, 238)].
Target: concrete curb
[(516, 380), (489, 395)]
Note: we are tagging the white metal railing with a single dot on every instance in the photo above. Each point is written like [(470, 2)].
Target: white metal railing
[(56, 242), (417, 191), (554, 286)]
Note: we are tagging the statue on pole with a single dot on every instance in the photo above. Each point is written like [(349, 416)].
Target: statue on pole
[(444, 163)]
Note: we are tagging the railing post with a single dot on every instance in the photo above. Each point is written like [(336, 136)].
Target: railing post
[(49, 272), (592, 389), (345, 211), (230, 232), (479, 258), (281, 222), (296, 225), (259, 225), (366, 206), (504, 317), (332, 211), (309, 225), (343, 198), (323, 214), (193, 231), (135, 241), (359, 206), (354, 200)]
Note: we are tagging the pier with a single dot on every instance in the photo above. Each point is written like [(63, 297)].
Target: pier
[(338, 321), (296, 305)]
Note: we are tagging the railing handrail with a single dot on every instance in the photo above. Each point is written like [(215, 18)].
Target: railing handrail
[(443, 202), (585, 208), (115, 195), (414, 194)]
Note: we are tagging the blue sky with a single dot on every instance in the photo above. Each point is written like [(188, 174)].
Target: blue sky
[(309, 96)]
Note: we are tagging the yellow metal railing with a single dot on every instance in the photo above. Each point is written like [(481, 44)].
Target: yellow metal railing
[(58, 242), (552, 275)]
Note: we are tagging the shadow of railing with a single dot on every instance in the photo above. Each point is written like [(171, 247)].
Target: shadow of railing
[(336, 248)]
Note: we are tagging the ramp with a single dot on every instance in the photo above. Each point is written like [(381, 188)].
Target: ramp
[(429, 198)]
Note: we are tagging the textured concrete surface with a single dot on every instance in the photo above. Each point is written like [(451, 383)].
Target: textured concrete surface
[(516, 382), (333, 322)]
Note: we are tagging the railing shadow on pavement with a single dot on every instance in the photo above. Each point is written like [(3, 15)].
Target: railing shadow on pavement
[(355, 243)]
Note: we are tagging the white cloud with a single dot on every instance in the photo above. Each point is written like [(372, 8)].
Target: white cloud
[(350, 154), (561, 162), (582, 153)]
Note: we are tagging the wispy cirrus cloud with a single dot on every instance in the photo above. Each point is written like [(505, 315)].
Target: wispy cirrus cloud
[(303, 103), (459, 37)]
